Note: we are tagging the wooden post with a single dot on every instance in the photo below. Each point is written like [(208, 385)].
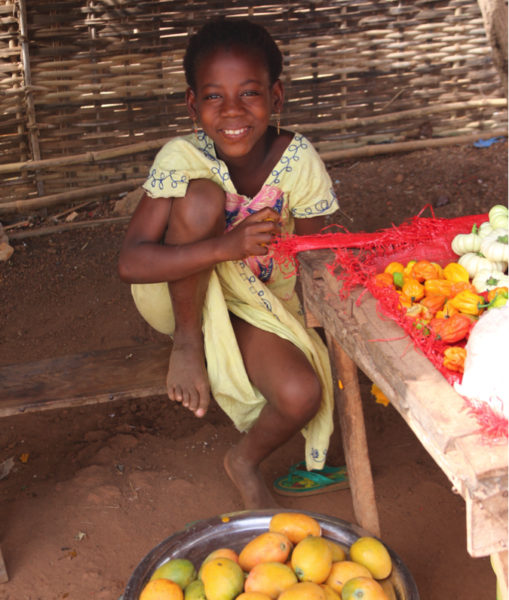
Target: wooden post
[(351, 418), (494, 13), (33, 131), (4, 578)]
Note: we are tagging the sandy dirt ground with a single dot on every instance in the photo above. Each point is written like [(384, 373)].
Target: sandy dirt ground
[(104, 484)]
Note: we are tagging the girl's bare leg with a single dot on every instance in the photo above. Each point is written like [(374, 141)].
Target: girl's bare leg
[(287, 380), (197, 216)]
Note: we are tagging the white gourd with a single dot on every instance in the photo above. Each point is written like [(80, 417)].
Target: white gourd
[(474, 262), (486, 280), (494, 246), (466, 242), (485, 229), (498, 216)]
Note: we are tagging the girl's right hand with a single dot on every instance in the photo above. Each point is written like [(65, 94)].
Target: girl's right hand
[(252, 235)]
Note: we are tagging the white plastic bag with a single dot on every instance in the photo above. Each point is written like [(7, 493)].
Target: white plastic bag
[(486, 377)]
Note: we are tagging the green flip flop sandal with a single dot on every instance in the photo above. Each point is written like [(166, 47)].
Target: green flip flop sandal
[(300, 482)]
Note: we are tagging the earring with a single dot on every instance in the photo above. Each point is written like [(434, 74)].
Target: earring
[(278, 120), (195, 128)]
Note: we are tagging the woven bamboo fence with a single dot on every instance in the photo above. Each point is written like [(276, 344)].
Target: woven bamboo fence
[(90, 89)]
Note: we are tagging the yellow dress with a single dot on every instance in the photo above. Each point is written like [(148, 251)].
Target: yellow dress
[(257, 289)]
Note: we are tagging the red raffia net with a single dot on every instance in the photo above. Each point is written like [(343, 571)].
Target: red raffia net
[(360, 256)]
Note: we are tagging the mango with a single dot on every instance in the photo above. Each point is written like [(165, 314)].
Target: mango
[(373, 555), (312, 559), (342, 572), (179, 570), (195, 591), (295, 526), (330, 594), (222, 578), (162, 589), (270, 578), (303, 591), (253, 596), (338, 553), (363, 588), (267, 547), (220, 553)]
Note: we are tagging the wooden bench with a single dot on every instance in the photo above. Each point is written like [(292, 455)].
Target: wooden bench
[(87, 378)]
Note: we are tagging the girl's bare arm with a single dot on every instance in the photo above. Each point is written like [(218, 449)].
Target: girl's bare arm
[(309, 226), (143, 259)]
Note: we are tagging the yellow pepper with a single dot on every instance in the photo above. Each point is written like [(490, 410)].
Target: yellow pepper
[(454, 359), (415, 311), (394, 267), (439, 269), (456, 273), (467, 302), (413, 290), (404, 300), (407, 271)]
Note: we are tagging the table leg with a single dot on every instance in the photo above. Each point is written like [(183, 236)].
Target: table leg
[(351, 418), (4, 578)]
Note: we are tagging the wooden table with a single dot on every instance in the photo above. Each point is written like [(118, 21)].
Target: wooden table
[(427, 402)]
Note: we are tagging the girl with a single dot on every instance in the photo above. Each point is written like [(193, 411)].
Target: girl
[(197, 250)]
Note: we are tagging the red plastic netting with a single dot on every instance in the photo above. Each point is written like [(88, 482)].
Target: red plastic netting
[(359, 256)]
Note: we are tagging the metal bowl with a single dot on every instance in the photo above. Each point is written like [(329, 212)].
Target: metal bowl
[(235, 530)]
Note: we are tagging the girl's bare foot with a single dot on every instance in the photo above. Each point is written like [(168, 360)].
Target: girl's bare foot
[(249, 482), (187, 379)]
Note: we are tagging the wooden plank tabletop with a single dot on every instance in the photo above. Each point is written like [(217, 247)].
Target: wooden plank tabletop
[(427, 402), (90, 377)]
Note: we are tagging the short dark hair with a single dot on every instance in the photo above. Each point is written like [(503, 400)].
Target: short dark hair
[(228, 34)]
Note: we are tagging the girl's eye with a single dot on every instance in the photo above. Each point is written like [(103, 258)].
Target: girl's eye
[(212, 97), (250, 93)]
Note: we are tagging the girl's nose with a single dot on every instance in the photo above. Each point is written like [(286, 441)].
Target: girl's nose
[(231, 107)]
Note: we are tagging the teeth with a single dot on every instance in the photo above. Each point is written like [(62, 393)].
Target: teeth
[(234, 131)]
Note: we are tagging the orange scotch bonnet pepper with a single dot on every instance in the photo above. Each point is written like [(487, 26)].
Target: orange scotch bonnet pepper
[(384, 280), (454, 329), (424, 270), (413, 290), (438, 287), (454, 359)]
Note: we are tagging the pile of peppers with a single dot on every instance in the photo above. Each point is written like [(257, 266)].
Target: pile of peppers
[(441, 302)]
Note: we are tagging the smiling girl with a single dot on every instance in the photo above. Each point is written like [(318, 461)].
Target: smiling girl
[(197, 251)]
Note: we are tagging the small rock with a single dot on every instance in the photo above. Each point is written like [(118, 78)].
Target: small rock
[(399, 178), (5, 251), (127, 205), (442, 201)]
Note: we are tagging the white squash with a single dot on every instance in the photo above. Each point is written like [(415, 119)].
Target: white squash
[(485, 229), (466, 242), (498, 216), (475, 261), (486, 280), (494, 246)]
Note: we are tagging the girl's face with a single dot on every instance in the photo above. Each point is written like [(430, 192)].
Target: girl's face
[(234, 101)]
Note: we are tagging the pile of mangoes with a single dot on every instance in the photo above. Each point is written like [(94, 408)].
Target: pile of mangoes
[(292, 561)]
